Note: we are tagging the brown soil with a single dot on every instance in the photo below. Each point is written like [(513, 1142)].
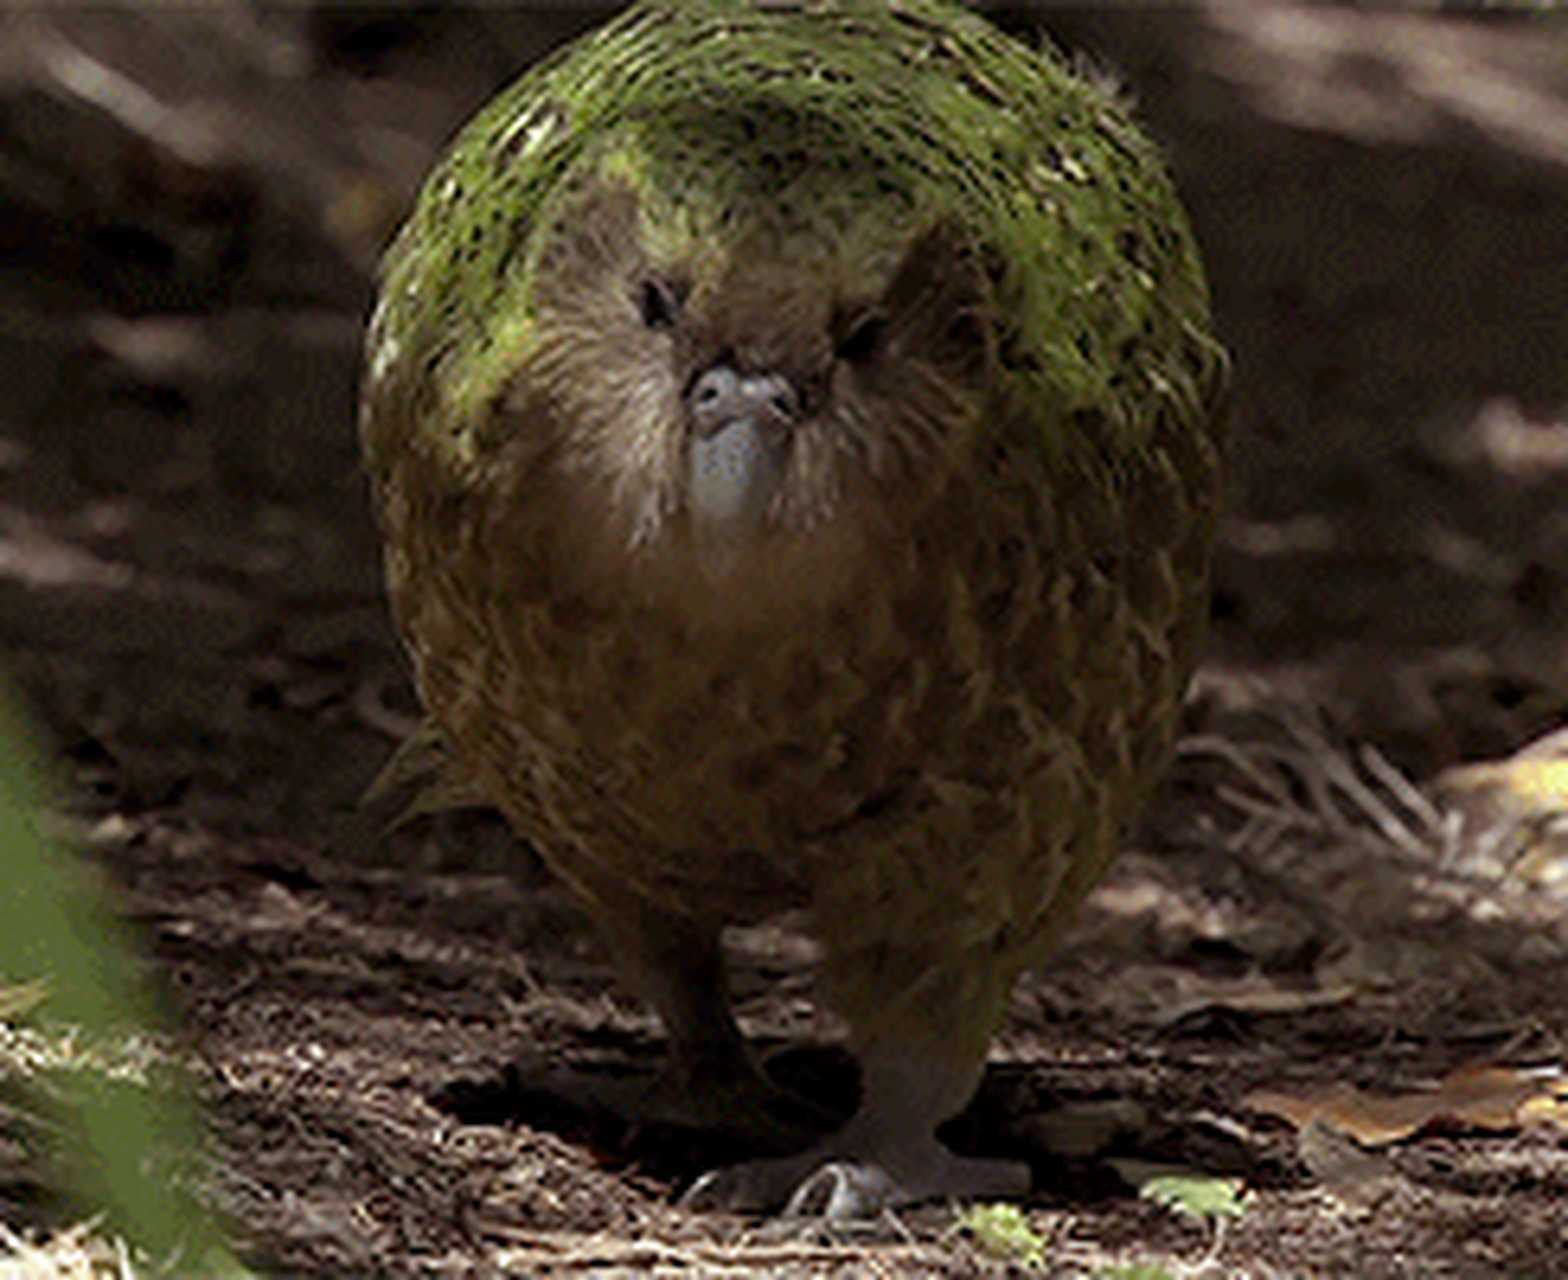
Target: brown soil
[(407, 1044)]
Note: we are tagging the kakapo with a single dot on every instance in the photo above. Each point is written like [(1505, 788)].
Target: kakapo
[(796, 431)]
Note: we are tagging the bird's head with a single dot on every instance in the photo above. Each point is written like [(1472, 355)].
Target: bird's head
[(731, 294), (741, 349)]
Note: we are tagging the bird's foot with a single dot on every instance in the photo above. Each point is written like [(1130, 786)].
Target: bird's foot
[(825, 1183)]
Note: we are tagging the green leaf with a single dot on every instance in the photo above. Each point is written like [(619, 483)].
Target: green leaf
[(1195, 1195), (78, 1017), (1004, 1232)]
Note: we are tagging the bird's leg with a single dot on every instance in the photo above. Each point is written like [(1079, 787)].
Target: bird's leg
[(713, 1081), (923, 1027)]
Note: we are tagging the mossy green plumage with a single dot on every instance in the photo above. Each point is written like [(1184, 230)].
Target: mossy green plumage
[(920, 106), (916, 665)]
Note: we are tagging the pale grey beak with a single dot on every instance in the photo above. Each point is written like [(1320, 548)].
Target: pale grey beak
[(741, 430)]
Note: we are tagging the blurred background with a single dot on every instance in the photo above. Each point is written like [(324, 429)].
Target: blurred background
[(192, 202)]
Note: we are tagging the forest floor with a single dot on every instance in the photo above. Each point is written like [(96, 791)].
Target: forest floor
[(1327, 984)]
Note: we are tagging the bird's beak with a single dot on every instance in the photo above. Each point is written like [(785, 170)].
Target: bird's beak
[(741, 427)]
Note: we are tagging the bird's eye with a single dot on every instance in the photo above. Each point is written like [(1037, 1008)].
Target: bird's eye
[(862, 338), (966, 331), (659, 302)]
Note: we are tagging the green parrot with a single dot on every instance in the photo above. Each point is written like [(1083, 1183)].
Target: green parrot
[(796, 433)]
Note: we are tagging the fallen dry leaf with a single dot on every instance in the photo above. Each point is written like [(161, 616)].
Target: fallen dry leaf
[(1485, 1096)]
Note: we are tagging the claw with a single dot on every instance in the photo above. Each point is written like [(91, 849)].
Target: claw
[(707, 1192), (835, 1191), (842, 1191), (753, 1186), (816, 1184)]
